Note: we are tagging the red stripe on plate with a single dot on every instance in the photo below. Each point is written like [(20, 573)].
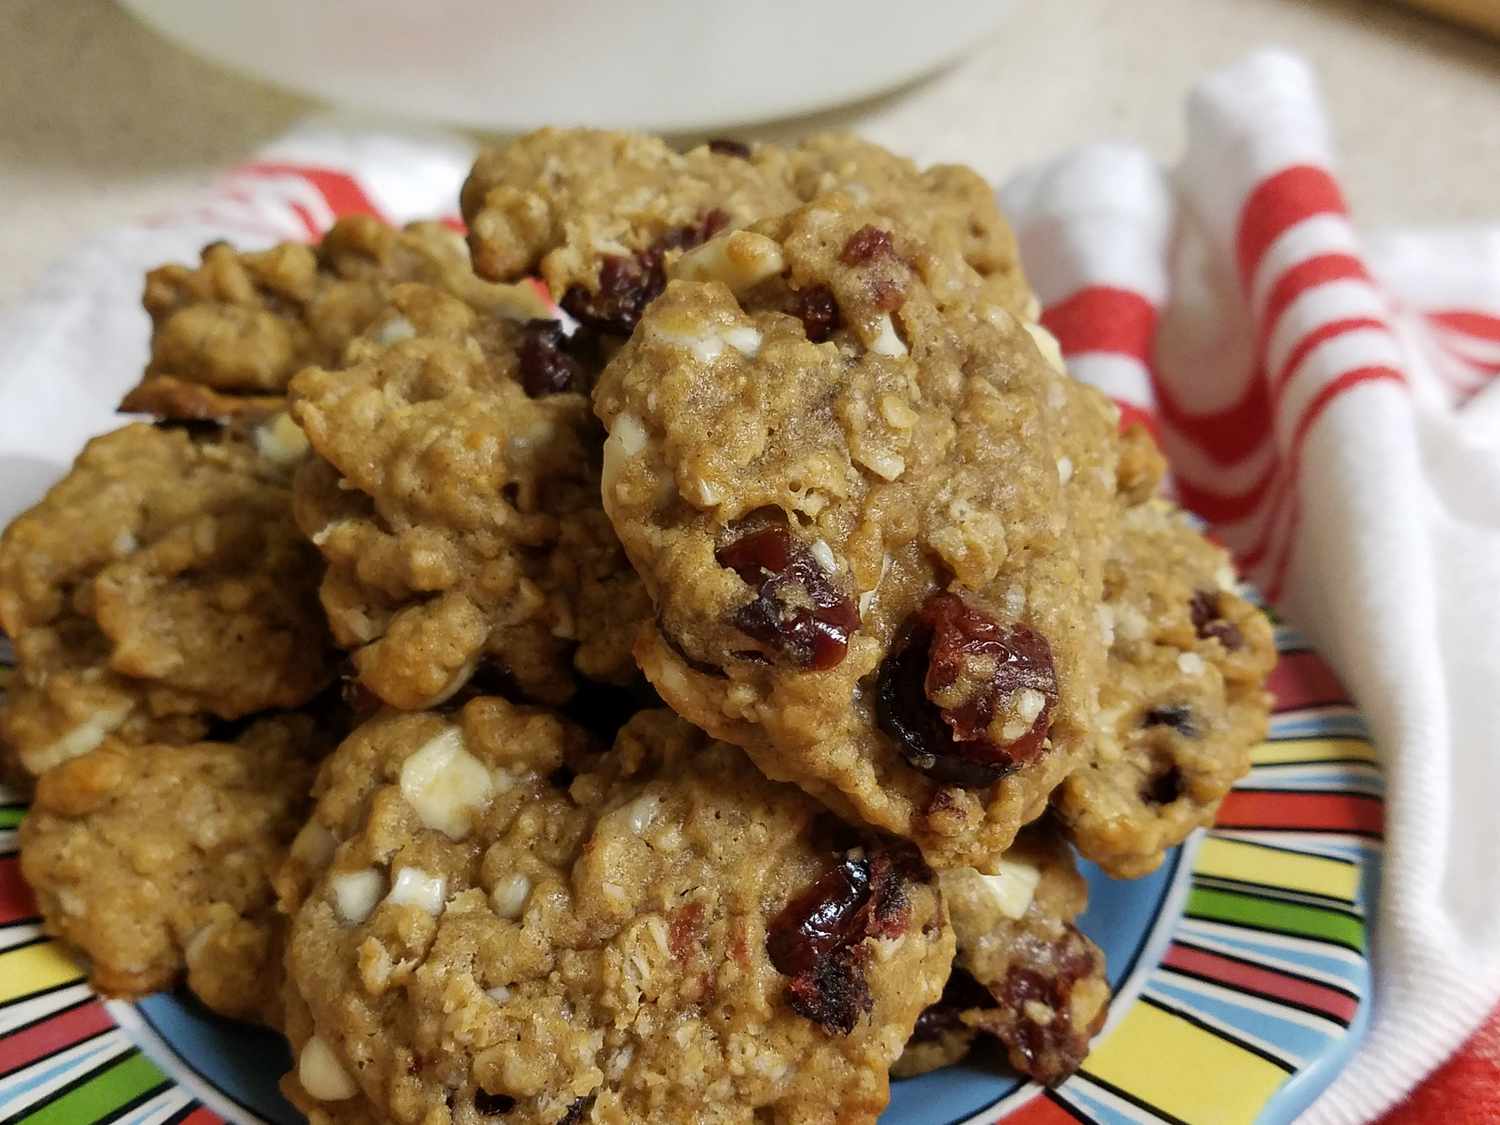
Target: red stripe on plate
[(1040, 1110), (1279, 202), (1222, 507), (1266, 982), (1102, 318), (1305, 812), (1303, 679), (16, 899), (24, 1047)]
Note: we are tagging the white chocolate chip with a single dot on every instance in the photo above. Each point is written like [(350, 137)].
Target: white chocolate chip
[(1190, 664), (1047, 344), (1065, 469), (1013, 887), (446, 785), (1029, 704), (510, 894), (499, 994), (704, 494), (321, 1073), (281, 440), (393, 330), (642, 811), (356, 893), (124, 543), (885, 341), (314, 845), (1106, 616), (415, 887), (897, 412), (707, 347), (739, 260), (743, 338), (890, 466), (629, 434), (821, 551), (1225, 579), (86, 736)]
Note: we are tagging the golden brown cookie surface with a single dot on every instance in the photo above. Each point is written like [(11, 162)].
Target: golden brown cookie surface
[(156, 861), (1183, 700), (455, 498), (162, 581), (871, 518), (673, 937)]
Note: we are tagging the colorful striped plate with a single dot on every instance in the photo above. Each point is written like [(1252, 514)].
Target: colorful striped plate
[(1240, 972)]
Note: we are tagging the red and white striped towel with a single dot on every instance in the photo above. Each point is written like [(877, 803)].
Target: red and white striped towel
[(1323, 395)]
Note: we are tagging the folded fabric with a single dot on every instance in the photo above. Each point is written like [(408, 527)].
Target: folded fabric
[(1322, 393)]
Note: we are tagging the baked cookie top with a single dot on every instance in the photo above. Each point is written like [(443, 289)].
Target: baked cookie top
[(671, 936), (871, 517), (1024, 973), (229, 333), (156, 861), (455, 497), (161, 581), (601, 215), (1183, 701)]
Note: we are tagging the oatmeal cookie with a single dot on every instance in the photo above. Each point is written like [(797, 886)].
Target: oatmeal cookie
[(161, 582), (596, 213), (507, 921), (603, 215), (1183, 700), (228, 334), (1024, 973), (950, 207), (156, 861), (455, 497), (872, 520)]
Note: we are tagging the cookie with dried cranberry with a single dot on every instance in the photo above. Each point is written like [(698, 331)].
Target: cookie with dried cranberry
[(948, 206), (1024, 973), (162, 583), (229, 333), (667, 935), (156, 861), (1183, 701), (455, 497), (872, 518), (598, 214)]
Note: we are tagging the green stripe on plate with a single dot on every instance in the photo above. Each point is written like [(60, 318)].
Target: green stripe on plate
[(1294, 918), (10, 815), (113, 1088)]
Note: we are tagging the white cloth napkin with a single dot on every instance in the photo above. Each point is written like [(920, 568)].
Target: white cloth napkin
[(1321, 394)]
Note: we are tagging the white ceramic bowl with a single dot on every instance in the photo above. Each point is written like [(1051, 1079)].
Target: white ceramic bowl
[(670, 65)]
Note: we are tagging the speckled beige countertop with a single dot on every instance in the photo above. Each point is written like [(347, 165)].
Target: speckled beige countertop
[(101, 122)]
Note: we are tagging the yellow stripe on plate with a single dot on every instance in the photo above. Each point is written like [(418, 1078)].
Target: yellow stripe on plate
[(1313, 750), (33, 968), (1171, 1064), (1288, 871)]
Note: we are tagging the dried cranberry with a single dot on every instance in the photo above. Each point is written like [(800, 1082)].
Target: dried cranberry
[(1164, 787), (493, 1105), (726, 147), (866, 244), (1177, 716), (577, 1112), (1049, 1049), (816, 938), (546, 366), (834, 993), (797, 611), (1208, 621), (818, 311), (628, 285), (949, 645)]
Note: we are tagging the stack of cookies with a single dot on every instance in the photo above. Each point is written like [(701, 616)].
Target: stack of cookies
[(679, 699)]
